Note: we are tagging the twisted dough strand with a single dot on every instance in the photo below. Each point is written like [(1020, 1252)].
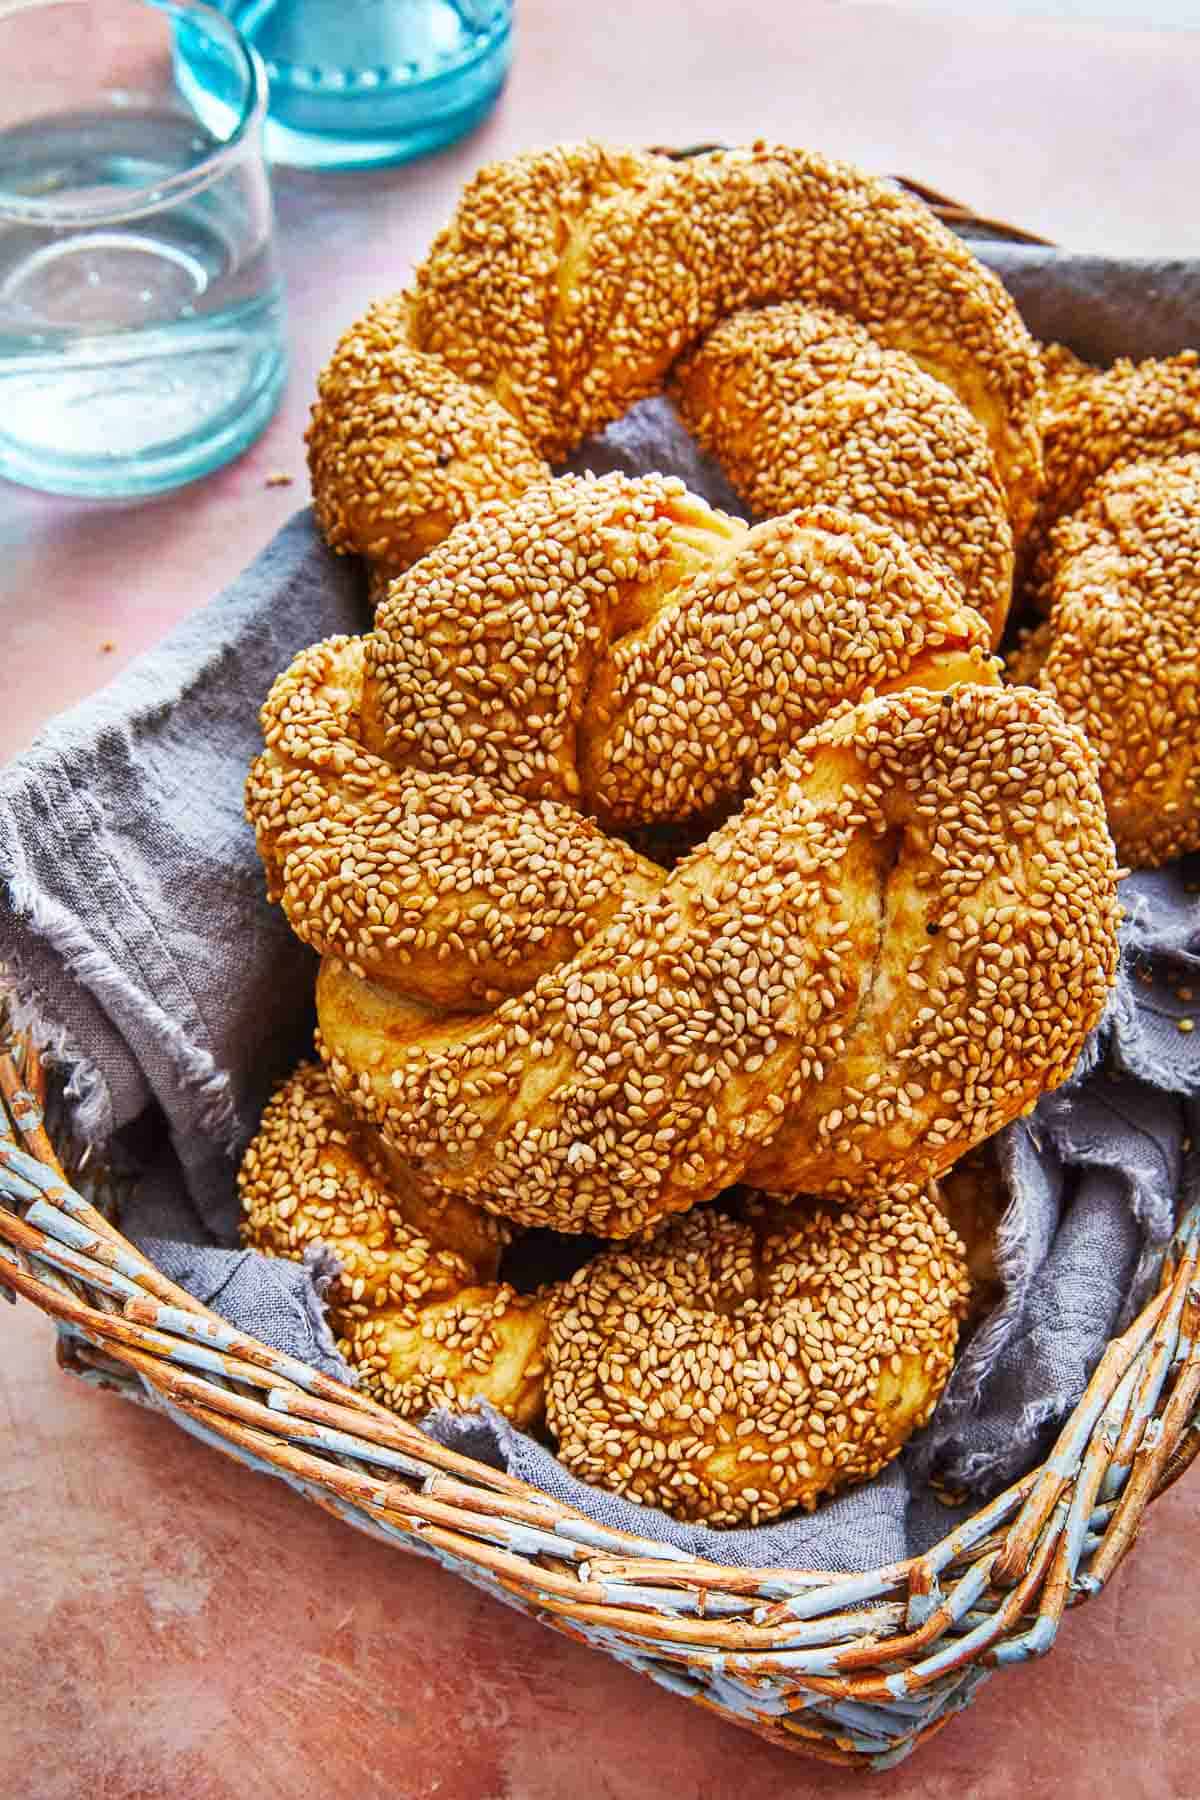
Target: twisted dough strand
[(435, 884), (897, 945), (1118, 651), (618, 644), (1096, 419), (802, 407)]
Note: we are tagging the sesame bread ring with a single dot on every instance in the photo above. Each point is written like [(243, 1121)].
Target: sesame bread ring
[(416, 1305), (569, 281), (1093, 420), (733, 1369), (897, 946), (1118, 651), (802, 407)]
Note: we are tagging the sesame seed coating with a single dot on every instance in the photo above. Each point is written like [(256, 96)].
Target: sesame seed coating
[(731, 1369), (570, 280), (1118, 651), (712, 234), (400, 449), (485, 295), (1093, 419), (801, 407), (438, 886), (416, 1304), (900, 942), (617, 644)]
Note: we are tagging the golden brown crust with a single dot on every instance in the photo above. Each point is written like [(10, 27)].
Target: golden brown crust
[(1119, 650), (486, 295), (802, 408), (726, 1369), (715, 233), (896, 947), (440, 886), (618, 644), (1094, 419), (416, 1304), (400, 450), (898, 944), (568, 282), (730, 1370)]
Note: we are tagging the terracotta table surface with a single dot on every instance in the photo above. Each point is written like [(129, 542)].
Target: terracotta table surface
[(176, 1626)]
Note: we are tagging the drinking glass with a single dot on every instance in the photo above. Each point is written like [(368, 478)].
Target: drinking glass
[(141, 316), (354, 83)]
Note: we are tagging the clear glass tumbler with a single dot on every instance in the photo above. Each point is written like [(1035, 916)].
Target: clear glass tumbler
[(354, 83), (141, 317)]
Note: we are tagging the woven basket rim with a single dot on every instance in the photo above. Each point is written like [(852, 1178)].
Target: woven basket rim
[(852, 1669)]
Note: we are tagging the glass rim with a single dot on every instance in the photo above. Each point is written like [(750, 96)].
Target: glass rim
[(153, 196)]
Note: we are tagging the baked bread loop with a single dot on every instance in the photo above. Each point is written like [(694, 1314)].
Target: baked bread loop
[(897, 946), (802, 407), (1118, 651), (400, 450), (1094, 419), (733, 1369), (416, 1305), (570, 280), (618, 645), (644, 275), (727, 1369)]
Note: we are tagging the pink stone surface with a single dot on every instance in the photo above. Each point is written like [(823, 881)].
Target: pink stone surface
[(177, 1628)]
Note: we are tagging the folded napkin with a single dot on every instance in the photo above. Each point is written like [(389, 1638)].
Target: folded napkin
[(143, 957)]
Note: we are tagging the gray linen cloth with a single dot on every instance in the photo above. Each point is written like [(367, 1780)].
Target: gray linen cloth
[(142, 954)]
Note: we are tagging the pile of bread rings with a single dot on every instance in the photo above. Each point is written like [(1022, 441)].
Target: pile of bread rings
[(701, 886)]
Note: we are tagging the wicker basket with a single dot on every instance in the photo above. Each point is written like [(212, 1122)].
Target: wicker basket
[(855, 1670)]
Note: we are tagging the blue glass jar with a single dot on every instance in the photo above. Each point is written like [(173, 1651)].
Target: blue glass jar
[(357, 83)]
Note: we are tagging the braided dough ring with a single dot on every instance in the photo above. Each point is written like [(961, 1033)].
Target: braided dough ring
[(569, 281), (802, 407), (730, 1370), (520, 1108), (725, 1369), (416, 1305), (901, 942), (1118, 652)]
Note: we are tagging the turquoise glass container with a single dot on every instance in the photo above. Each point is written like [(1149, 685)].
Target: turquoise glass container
[(358, 83)]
